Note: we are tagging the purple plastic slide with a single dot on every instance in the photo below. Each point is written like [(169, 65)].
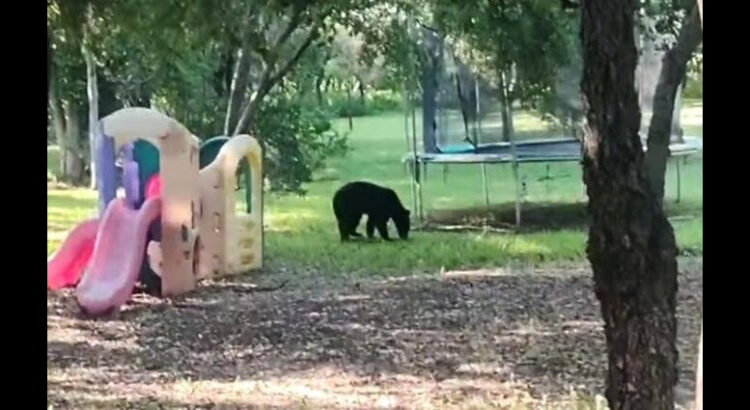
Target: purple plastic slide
[(118, 254)]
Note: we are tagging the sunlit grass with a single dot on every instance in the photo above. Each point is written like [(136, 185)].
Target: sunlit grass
[(301, 231)]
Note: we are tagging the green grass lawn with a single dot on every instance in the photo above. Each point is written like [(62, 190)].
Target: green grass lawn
[(302, 234)]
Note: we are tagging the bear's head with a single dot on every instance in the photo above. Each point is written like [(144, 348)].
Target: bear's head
[(403, 223)]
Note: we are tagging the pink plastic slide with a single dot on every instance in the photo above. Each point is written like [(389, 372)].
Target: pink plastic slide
[(64, 267), (153, 186), (118, 255)]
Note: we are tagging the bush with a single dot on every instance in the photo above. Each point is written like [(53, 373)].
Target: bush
[(694, 86), (376, 102), (297, 139), (386, 100)]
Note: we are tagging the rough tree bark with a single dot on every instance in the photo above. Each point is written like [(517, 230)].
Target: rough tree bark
[(674, 65), (631, 244)]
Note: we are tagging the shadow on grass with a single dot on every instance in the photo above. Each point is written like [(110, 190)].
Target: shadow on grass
[(538, 216)]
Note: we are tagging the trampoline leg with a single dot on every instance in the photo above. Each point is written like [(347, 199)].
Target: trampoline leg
[(484, 184), (679, 188), (416, 190), (518, 195), (410, 165), (421, 207)]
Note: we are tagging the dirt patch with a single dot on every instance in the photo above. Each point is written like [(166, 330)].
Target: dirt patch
[(477, 339)]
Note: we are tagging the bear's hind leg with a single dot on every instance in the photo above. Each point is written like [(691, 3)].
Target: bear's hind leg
[(348, 226)]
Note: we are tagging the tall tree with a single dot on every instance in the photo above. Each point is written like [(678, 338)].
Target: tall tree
[(521, 44), (275, 36), (674, 65), (699, 371), (631, 244), (92, 89), (49, 57), (67, 90)]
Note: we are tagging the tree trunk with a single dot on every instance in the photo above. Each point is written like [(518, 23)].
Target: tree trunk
[(503, 110), (361, 87), (631, 243), (58, 122), (699, 376), (700, 10), (699, 370), (93, 100), (49, 59), (320, 78), (273, 75), (248, 113), (240, 80), (672, 73), (319, 89), (73, 160), (506, 101), (349, 106)]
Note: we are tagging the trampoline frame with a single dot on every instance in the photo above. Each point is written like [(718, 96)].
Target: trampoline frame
[(415, 161)]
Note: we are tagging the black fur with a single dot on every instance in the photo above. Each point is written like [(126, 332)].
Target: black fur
[(379, 204)]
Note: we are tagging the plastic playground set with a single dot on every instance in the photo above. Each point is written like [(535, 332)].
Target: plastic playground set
[(176, 223)]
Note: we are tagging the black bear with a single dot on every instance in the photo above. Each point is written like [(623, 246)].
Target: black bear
[(380, 204)]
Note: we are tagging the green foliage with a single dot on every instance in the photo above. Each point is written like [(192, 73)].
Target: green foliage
[(297, 138), (694, 86), (663, 17), (528, 41), (376, 102), (694, 81), (177, 56), (68, 65), (301, 231)]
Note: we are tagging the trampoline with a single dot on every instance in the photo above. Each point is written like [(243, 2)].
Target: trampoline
[(463, 121), (528, 151), (538, 150)]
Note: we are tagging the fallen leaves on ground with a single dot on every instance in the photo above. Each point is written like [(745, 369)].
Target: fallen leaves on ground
[(476, 339)]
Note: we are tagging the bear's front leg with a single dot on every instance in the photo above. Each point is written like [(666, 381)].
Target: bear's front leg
[(382, 226), (370, 228)]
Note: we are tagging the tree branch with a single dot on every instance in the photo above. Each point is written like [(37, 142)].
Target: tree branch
[(269, 78), (294, 22), (311, 36), (569, 5), (674, 65)]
